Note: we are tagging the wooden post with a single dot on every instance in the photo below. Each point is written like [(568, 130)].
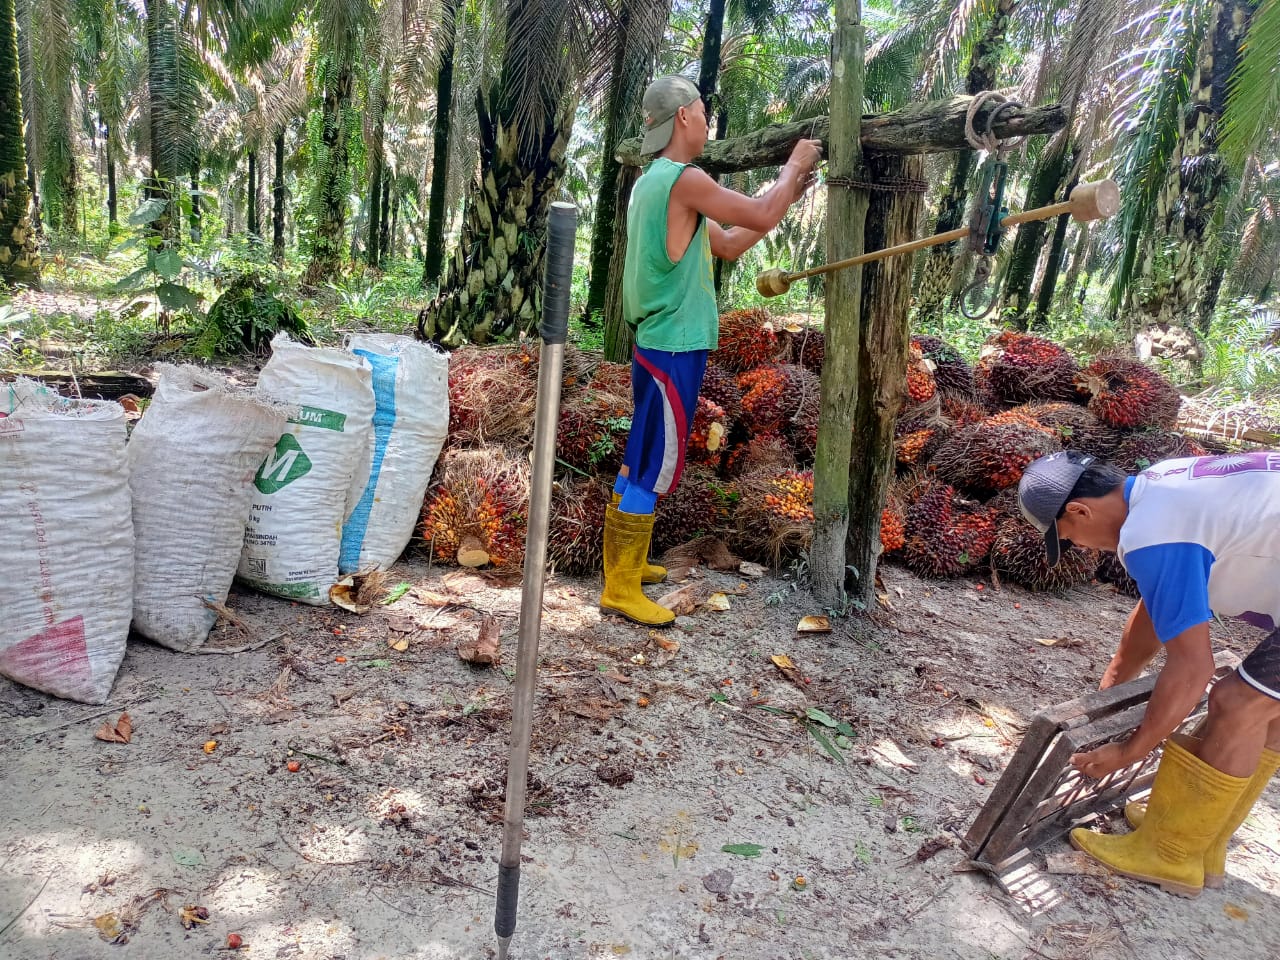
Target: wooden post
[(846, 211), (882, 365)]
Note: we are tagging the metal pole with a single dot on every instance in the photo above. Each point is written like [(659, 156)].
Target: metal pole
[(554, 328)]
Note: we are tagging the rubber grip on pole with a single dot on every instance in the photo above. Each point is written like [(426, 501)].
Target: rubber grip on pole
[(504, 918), (562, 228)]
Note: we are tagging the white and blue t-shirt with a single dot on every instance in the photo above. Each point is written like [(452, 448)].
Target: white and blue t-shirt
[(1203, 538)]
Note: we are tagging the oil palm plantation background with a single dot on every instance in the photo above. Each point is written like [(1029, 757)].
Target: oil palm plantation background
[(395, 159)]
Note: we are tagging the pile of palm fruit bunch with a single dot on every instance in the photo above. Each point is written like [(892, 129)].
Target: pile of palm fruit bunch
[(964, 435), (953, 510)]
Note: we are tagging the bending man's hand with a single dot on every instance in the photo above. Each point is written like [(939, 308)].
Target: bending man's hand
[(1108, 758)]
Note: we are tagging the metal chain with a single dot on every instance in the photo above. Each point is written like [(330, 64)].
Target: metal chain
[(883, 185)]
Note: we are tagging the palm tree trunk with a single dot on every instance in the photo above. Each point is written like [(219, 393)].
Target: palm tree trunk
[(30, 108), (1177, 268), (493, 285), (330, 197), (709, 68), (433, 261), (390, 242), (892, 218), (19, 256), (1045, 184), (1068, 286), (195, 202), (112, 199), (162, 52), (721, 270), (1053, 266), (632, 68), (277, 214), (384, 228), (251, 197), (375, 207), (619, 338), (940, 262)]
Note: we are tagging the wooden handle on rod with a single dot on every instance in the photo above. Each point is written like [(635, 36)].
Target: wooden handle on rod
[(1088, 201)]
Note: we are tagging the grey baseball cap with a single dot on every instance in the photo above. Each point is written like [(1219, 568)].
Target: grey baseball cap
[(1044, 490), (662, 99)]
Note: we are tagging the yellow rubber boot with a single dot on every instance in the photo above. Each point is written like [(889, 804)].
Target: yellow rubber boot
[(1190, 802), (626, 540), (652, 572), (1215, 858)]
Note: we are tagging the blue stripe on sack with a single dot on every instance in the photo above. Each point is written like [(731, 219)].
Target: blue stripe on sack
[(384, 418)]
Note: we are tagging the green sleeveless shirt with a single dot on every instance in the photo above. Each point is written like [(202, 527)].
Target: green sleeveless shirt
[(672, 306)]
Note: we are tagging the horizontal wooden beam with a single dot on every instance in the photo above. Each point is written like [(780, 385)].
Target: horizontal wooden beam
[(935, 126)]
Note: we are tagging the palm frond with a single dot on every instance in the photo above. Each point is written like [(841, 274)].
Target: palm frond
[(1253, 103), (1151, 137)]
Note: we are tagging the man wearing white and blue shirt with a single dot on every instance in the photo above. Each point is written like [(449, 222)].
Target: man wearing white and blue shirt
[(1201, 537)]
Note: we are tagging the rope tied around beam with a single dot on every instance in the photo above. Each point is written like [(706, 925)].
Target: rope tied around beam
[(986, 140)]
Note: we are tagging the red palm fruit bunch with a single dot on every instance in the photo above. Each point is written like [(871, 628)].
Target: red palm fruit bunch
[(482, 494), (765, 451), (774, 518), (773, 395), (492, 392), (808, 348), (961, 412), (1111, 570), (708, 434), (893, 526), (592, 433), (947, 535), (1018, 555), (1127, 393), (1137, 451), (920, 386), (990, 456), (1018, 367), (1074, 426), (721, 388), (575, 537), (916, 440), (611, 378), (747, 340), (700, 504), (803, 429), (951, 372)]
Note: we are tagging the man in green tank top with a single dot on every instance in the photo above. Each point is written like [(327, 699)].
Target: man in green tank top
[(674, 229)]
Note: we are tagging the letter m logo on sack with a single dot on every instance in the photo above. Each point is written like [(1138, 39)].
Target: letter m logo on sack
[(285, 464)]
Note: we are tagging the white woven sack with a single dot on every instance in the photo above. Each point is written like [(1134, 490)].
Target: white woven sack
[(192, 460), (313, 476), (410, 424), (67, 542)]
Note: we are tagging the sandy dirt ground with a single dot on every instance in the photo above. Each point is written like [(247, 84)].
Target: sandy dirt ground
[(383, 843)]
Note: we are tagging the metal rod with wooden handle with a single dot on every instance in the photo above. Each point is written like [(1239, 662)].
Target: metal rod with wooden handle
[(1088, 201)]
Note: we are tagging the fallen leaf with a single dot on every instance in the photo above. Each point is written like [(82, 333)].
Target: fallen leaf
[(717, 602), (109, 927), (191, 916), (788, 669), (743, 849), (395, 593), (715, 435), (931, 848), (433, 599), (753, 570), (684, 600), (671, 646), (119, 732), (814, 625), (486, 648), (1235, 913), (594, 708), (1074, 863), (188, 858), (1066, 642), (343, 594)]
